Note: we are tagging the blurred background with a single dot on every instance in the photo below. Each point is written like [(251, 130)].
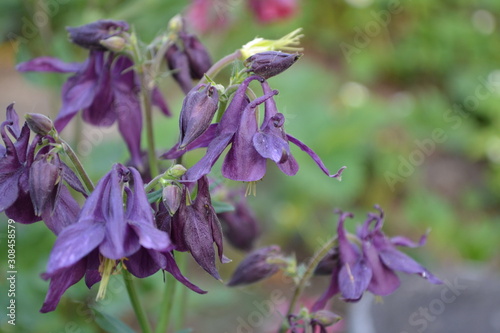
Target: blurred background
[(405, 94)]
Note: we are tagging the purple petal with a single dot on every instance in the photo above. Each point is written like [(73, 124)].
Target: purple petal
[(72, 179), (315, 157), (49, 64), (65, 213), (214, 150), (92, 275), (384, 281), (173, 269), (8, 187), (128, 109), (101, 112), (60, 282), (201, 142), (243, 162), (159, 101), (142, 264), (74, 243), (399, 261), (110, 194), (22, 210), (12, 121), (354, 279), (403, 241), (349, 253), (333, 289), (78, 93), (199, 240)]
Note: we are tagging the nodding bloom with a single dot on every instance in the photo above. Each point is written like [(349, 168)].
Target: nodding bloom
[(251, 145), (370, 266), (104, 86), (32, 183), (195, 228), (107, 233), (186, 56), (256, 266)]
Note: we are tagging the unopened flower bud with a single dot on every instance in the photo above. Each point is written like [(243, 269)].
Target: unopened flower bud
[(197, 112), (39, 123), (172, 195), (256, 266), (176, 171), (178, 62), (91, 35), (114, 43), (271, 63), (199, 59), (45, 176), (325, 318)]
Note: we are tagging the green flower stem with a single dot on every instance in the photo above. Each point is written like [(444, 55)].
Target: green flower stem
[(320, 254), (134, 300), (166, 305), (219, 65), (78, 165), (148, 115)]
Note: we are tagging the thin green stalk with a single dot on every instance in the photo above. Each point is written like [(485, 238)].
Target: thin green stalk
[(78, 165), (320, 254), (166, 304), (219, 65), (134, 300), (148, 115)]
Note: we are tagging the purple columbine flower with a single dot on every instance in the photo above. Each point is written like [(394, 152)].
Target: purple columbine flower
[(104, 87), (32, 191), (195, 228), (256, 266), (251, 146), (106, 232), (371, 267)]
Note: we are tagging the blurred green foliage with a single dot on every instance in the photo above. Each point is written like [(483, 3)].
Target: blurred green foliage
[(377, 80)]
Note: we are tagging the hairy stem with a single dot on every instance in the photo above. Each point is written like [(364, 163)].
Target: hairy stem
[(78, 165), (219, 65)]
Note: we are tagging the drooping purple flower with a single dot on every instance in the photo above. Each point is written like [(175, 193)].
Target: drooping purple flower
[(90, 35), (256, 266), (104, 87), (384, 258), (107, 231), (188, 58), (251, 146), (370, 266), (31, 191), (197, 112), (195, 228)]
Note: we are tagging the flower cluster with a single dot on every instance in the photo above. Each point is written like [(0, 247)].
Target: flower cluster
[(368, 261), (138, 215)]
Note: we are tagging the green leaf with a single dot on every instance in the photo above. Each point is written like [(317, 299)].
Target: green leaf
[(222, 207), (111, 324)]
